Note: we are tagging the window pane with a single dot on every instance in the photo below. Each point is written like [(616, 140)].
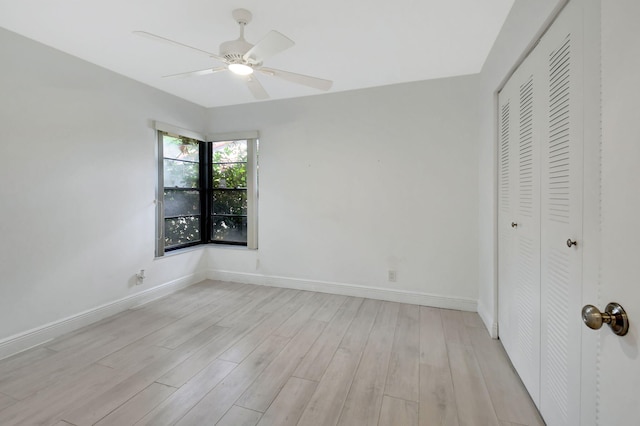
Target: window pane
[(229, 229), (181, 230), (229, 151), (179, 174), (230, 202), (229, 168), (181, 202), (231, 175), (180, 148)]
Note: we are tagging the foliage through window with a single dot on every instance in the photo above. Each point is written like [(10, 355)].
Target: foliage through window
[(209, 192), (229, 181), (182, 192)]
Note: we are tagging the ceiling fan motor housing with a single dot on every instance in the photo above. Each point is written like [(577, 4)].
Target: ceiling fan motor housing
[(234, 50)]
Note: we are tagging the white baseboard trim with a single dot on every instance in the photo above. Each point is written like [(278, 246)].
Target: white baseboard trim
[(489, 321), (391, 295), (39, 335)]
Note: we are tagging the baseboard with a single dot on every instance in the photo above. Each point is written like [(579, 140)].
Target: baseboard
[(37, 336), (489, 321), (391, 295)]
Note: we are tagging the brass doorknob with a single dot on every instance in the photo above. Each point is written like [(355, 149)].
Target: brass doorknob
[(514, 225), (614, 315)]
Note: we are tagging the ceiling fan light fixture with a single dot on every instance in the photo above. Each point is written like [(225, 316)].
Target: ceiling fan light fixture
[(240, 69)]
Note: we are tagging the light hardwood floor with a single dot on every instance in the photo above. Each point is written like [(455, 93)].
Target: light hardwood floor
[(220, 353)]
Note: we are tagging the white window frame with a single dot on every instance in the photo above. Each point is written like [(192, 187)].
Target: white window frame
[(252, 138), (252, 178)]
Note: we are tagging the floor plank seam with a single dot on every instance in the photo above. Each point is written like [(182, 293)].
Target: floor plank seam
[(164, 384), (453, 383), (349, 387), (10, 397), (304, 378), (484, 380), (293, 370), (386, 376), (355, 370), (446, 347), (250, 409)]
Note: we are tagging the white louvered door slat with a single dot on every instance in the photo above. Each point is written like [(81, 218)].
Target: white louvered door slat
[(562, 215)]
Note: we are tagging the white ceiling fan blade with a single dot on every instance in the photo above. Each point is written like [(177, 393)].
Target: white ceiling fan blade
[(176, 43), (256, 88), (316, 83), (272, 43), (196, 73)]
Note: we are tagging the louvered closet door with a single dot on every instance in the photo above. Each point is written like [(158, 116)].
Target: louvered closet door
[(506, 216), (562, 189), (541, 189), (519, 291)]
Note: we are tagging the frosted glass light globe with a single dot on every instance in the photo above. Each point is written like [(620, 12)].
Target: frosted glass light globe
[(240, 69)]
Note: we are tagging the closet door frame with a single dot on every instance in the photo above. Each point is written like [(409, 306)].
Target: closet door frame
[(591, 195)]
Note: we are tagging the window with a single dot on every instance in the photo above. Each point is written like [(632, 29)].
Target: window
[(207, 191), (229, 191), (182, 191)]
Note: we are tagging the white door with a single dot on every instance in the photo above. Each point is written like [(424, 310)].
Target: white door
[(561, 218), (619, 357), (546, 276), (519, 223)]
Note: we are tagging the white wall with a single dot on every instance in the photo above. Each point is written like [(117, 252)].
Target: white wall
[(353, 184), (521, 29), (77, 184)]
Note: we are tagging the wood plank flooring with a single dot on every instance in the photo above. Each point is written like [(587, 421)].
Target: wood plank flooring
[(220, 353)]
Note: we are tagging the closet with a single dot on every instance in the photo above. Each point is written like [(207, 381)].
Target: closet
[(540, 216)]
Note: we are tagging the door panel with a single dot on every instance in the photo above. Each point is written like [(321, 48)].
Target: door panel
[(561, 220), (506, 215), (519, 251)]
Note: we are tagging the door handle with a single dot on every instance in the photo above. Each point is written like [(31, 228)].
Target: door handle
[(570, 243), (514, 225), (614, 315)]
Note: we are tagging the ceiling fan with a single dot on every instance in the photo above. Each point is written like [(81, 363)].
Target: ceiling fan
[(243, 58)]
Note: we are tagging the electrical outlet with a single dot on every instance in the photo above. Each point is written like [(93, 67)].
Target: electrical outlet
[(140, 277), (392, 275)]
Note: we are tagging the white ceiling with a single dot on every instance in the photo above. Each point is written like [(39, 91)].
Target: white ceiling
[(355, 43)]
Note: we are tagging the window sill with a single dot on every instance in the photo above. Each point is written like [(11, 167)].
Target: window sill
[(203, 247), (231, 247), (181, 251)]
